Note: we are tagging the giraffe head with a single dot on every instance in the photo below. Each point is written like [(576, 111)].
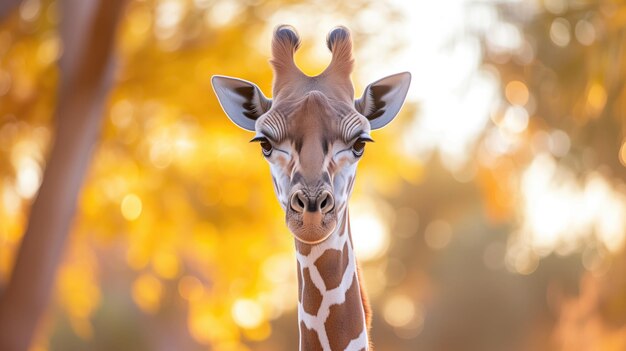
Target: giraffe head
[(312, 132)]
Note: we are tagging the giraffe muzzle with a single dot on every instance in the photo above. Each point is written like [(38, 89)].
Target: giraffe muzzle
[(311, 219)]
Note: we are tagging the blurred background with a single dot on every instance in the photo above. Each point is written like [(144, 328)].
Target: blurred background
[(490, 215)]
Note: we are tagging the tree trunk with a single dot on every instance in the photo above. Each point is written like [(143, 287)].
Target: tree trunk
[(7, 6), (88, 33)]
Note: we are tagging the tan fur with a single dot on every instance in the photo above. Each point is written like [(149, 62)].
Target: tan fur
[(341, 47), (367, 309), (366, 303), (289, 81), (284, 46)]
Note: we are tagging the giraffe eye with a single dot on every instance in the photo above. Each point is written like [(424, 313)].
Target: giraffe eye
[(358, 147), (266, 148)]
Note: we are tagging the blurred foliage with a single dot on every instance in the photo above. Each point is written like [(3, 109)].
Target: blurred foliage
[(564, 69), (179, 242), (175, 192)]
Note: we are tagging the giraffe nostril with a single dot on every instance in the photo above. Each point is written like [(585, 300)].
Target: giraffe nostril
[(323, 203), (326, 202), (298, 201)]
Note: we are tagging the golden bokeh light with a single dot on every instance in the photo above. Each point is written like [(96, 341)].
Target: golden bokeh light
[(525, 262), (559, 211), (438, 234), (369, 230), (585, 32), (210, 325), (49, 50), (147, 291), (131, 207), (404, 314), (399, 310), (516, 93), (596, 97), (515, 120), (247, 313), (559, 143), (166, 264), (190, 288), (29, 177), (560, 32), (279, 268), (30, 10), (78, 291), (138, 256), (122, 113)]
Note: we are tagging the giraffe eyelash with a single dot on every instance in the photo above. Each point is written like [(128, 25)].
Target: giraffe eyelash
[(358, 147), (266, 145)]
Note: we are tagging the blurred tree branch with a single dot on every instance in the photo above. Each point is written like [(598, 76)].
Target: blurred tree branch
[(6, 6), (563, 77), (88, 31)]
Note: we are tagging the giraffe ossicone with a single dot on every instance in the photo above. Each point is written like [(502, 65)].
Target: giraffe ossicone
[(313, 132)]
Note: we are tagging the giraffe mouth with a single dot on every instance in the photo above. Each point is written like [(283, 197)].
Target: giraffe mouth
[(311, 227)]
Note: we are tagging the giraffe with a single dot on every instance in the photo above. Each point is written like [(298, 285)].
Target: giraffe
[(313, 133)]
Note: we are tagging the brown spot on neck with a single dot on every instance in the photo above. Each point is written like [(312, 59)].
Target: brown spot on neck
[(309, 339), (302, 248), (311, 296), (332, 266), (345, 321)]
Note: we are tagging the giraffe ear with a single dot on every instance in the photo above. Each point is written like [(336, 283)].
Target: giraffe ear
[(382, 99), (242, 101)]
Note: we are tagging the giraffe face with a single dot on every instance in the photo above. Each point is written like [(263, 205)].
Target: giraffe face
[(313, 132), (313, 147)]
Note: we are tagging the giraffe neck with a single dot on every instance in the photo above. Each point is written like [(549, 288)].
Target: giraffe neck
[(330, 309)]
